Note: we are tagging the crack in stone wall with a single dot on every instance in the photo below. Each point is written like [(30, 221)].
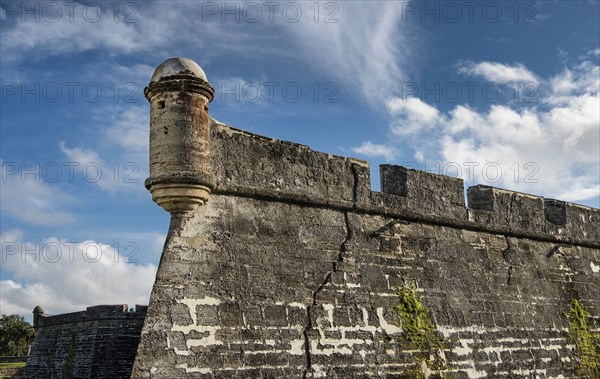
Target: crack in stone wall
[(506, 257), (327, 280)]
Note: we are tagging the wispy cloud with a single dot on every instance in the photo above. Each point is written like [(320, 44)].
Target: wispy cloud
[(498, 72), (365, 48), (117, 162), (116, 176), (583, 78), (128, 129), (374, 150), (79, 28), (243, 94), (123, 29), (27, 196)]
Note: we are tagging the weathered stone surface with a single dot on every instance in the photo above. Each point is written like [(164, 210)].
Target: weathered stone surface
[(251, 165), (99, 342), (293, 267), (423, 191), (509, 209)]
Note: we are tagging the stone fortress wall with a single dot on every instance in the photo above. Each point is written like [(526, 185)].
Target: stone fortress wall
[(99, 342), (280, 262)]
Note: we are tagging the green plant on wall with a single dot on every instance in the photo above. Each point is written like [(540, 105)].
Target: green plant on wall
[(50, 360), (587, 343), (70, 359), (419, 332)]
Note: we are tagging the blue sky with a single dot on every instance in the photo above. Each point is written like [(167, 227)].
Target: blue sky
[(503, 93)]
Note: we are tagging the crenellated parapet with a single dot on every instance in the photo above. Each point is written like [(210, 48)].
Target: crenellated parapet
[(93, 313), (420, 192), (528, 213), (252, 165), (246, 164)]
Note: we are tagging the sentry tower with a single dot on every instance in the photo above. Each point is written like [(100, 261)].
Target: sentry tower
[(180, 177)]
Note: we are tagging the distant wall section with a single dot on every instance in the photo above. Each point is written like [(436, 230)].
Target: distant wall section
[(99, 342)]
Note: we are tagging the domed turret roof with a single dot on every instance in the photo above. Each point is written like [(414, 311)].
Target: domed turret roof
[(178, 66)]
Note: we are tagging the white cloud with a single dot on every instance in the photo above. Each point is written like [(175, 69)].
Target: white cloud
[(551, 149), (26, 195), (149, 245), (123, 138), (66, 277), (581, 192), (411, 115), (117, 176), (129, 129), (498, 72), (554, 153), (582, 79), (374, 150), (563, 83)]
